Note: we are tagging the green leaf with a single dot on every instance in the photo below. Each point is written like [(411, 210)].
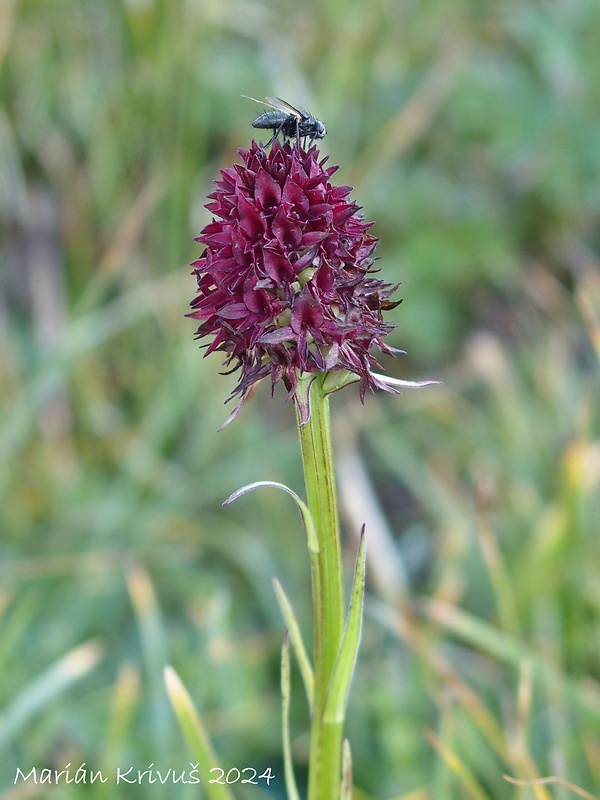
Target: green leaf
[(309, 525), (339, 685), (296, 639), (195, 734), (290, 780)]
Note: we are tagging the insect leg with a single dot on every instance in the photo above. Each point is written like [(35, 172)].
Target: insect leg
[(278, 131), (298, 137)]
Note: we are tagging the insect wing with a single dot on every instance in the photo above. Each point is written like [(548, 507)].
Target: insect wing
[(281, 105), (260, 102), (277, 104)]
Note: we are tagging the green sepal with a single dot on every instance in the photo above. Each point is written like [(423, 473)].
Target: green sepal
[(337, 379)]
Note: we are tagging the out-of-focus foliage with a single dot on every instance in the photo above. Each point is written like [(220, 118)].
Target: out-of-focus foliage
[(470, 132)]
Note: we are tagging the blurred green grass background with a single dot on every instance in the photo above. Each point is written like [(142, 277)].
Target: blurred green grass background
[(470, 131)]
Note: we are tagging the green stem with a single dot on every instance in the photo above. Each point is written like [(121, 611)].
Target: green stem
[(327, 580)]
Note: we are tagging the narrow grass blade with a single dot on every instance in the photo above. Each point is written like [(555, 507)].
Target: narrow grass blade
[(309, 525), (297, 643), (290, 780), (346, 793), (123, 704), (471, 787), (405, 628), (588, 300), (509, 650), (153, 638), (553, 779), (195, 735), (54, 680), (339, 685)]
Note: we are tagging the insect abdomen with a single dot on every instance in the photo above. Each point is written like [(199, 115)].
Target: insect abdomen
[(270, 119)]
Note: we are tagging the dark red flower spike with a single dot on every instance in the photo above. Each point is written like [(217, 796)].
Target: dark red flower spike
[(285, 283)]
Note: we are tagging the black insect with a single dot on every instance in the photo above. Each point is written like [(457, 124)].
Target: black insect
[(288, 121)]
